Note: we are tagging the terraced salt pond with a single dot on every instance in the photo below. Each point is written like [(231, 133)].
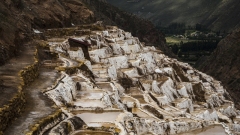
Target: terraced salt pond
[(212, 130), (89, 103), (92, 133), (105, 117), (136, 90)]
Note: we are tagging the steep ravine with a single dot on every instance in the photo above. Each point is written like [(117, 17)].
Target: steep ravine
[(128, 88)]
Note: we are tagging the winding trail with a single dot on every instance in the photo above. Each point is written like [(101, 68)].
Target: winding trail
[(38, 106), (9, 79)]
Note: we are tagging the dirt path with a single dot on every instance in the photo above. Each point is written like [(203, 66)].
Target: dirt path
[(38, 106), (9, 79)]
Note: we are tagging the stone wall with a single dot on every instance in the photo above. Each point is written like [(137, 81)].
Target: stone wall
[(15, 106), (46, 123), (12, 110)]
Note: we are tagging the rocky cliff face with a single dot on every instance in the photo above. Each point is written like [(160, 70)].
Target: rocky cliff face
[(224, 65)]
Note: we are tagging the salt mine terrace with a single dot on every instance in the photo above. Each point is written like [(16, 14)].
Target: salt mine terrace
[(120, 86), (133, 96)]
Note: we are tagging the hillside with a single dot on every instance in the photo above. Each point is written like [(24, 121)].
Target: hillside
[(215, 14), (224, 65), (18, 18)]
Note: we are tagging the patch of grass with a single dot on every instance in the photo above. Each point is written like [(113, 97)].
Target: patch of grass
[(175, 40)]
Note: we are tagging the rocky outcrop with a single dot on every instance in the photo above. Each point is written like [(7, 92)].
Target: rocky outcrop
[(224, 65)]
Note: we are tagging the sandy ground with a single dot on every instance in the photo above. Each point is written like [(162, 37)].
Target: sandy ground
[(38, 106)]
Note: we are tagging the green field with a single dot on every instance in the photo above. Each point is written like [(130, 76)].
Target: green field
[(174, 40)]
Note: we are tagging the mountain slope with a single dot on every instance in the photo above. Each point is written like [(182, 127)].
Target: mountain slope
[(224, 64), (215, 14), (143, 29)]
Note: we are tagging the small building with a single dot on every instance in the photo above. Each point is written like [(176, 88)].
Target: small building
[(80, 43)]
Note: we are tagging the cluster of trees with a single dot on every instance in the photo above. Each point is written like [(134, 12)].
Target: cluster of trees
[(196, 48)]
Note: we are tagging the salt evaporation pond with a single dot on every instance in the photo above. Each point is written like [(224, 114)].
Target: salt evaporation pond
[(91, 133), (98, 117), (89, 103), (212, 130)]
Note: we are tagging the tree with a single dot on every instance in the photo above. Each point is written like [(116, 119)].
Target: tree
[(175, 49)]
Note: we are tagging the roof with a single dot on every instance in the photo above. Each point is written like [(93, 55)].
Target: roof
[(74, 48), (85, 43)]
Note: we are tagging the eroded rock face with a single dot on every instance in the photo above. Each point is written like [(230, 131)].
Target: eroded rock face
[(138, 89)]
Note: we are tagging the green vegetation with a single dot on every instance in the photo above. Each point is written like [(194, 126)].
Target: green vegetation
[(191, 50), (171, 40), (190, 43)]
